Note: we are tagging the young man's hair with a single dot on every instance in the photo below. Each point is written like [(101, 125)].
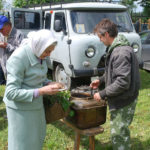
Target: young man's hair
[(106, 25)]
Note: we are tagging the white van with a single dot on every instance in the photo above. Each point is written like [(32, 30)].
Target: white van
[(79, 54)]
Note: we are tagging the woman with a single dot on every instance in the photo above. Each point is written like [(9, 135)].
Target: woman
[(26, 83)]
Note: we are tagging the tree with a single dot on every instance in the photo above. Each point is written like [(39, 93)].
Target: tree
[(146, 5), (129, 4), (21, 3), (146, 11), (1, 5)]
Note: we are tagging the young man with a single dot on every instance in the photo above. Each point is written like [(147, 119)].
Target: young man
[(11, 40), (121, 80)]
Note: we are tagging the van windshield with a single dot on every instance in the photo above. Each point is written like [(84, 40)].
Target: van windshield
[(85, 21)]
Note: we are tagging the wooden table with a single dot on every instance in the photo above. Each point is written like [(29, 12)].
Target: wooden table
[(91, 132)]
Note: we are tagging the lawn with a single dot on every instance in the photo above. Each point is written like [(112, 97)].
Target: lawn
[(60, 137)]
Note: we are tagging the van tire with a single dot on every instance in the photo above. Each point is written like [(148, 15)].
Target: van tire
[(61, 76)]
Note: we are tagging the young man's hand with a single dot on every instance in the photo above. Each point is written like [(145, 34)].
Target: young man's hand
[(97, 97), (95, 84)]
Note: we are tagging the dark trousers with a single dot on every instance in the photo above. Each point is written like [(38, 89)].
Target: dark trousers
[(2, 78)]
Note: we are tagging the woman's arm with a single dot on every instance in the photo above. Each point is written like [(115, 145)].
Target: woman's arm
[(15, 77)]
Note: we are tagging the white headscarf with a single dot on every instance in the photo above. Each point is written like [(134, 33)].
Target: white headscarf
[(40, 40)]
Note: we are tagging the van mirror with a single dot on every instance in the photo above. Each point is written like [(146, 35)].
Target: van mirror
[(58, 25)]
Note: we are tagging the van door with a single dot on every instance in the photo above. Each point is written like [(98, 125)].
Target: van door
[(60, 57), (26, 20)]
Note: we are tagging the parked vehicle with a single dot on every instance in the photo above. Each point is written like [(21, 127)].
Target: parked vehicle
[(79, 54), (145, 40)]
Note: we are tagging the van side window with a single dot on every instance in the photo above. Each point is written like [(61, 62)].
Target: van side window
[(48, 21), (26, 20), (144, 37), (148, 39), (61, 17)]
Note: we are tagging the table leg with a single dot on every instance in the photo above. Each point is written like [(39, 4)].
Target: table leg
[(91, 143), (77, 141)]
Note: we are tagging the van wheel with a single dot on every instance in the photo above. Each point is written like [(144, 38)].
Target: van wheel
[(61, 76)]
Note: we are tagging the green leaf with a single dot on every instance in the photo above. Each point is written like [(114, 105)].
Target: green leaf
[(71, 113), (61, 97)]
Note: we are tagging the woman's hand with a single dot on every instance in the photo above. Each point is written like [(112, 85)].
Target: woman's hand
[(50, 89), (60, 85), (95, 84)]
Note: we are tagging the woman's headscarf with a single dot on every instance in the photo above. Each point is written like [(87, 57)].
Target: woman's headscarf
[(40, 40)]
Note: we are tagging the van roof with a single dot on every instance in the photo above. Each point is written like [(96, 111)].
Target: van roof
[(91, 5), (84, 5)]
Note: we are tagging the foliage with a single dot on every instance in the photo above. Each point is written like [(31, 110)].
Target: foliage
[(1, 5), (61, 97), (21, 3), (145, 3), (129, 4), (146, 11)]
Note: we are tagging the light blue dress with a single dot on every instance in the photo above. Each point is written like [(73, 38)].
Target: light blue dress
[(26, 118)]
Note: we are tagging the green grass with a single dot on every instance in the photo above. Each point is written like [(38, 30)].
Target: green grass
[(61, 137)]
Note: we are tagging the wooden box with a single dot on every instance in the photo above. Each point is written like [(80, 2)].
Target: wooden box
[(88, 113)]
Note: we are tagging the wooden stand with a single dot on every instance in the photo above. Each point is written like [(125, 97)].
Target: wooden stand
[(91, 132)]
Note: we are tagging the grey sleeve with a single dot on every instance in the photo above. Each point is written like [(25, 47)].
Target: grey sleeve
[(18, 37), (122, 73), (102, 79)]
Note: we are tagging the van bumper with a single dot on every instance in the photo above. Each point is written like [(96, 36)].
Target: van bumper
[(88, 72)]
